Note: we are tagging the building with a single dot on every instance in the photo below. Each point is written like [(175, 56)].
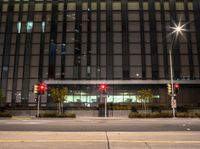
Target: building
[(83, 43)]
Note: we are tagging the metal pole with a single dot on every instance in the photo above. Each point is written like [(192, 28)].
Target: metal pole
[(105, 106), (38, 107), (172, 81)]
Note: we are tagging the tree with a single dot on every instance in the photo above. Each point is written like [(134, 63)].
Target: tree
[(145, 96), (58, 95)]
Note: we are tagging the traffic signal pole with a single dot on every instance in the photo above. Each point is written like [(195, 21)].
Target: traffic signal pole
[(105, 106), (38, 105), (41, 89), (103, 89)]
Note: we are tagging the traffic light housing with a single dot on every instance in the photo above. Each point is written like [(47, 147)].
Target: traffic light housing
[(35, 89), (169, 88), (41, 88), (103, 88), (176, 88)]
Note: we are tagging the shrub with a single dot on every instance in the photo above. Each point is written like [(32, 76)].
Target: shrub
[(134, 115), (181, 114), (70, 115), (166, 114), (49, 114), (150, 115), (193, 115), (198, 115), (55, 115), (5, 114), (163, 115), (187, 114), (155, 115)]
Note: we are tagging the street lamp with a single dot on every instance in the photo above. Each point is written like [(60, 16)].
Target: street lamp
[(176, 29)]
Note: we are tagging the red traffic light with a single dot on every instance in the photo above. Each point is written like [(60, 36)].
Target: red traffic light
[(177, 86), (103, 87), (41, 88)]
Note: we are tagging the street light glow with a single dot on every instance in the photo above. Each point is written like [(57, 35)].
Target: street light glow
[(178, 28)]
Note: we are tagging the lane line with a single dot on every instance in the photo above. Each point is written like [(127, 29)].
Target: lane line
[(82, 141), (101, 133)]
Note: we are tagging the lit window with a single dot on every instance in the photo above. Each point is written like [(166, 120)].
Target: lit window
[(88, 69), (43, 26), (63, 51), (29, 26), (5, 68), (19, 27)]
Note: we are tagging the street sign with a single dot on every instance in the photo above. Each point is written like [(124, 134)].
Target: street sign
[(173, 103)]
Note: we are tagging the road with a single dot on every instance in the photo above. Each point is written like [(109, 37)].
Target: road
[(100, 124), (99, 133)]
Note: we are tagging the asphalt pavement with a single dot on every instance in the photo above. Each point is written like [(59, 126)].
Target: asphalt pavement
[(99, 124), (99, 133)]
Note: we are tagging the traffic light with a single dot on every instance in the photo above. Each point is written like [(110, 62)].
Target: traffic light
[(41, 88), (35, 89), (169, 88), (176, 88), (103, 87)]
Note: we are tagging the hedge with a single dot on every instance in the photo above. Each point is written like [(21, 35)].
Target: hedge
[(163, 115), (150, 115), (55, 115), (5, 114)]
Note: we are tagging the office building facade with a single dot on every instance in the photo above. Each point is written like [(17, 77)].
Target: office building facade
[(83, 43)]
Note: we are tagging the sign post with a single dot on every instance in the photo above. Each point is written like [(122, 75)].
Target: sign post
[(173, 105), (105, 102)]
